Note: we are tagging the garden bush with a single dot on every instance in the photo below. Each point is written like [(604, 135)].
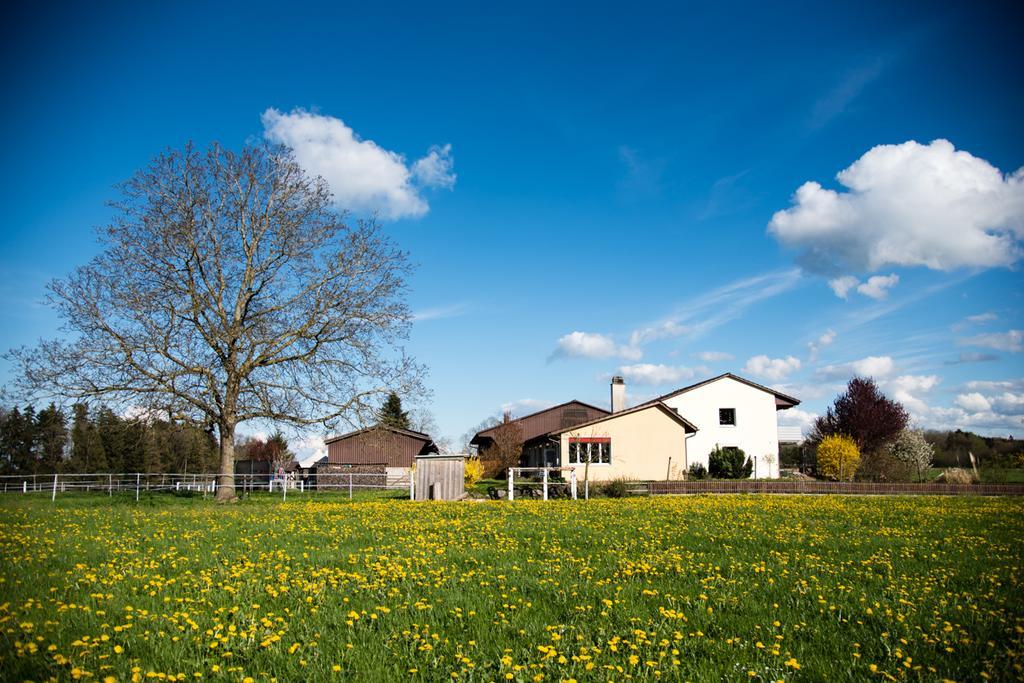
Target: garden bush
[(616, 488), (838, 458), (697, 471), (729, 463)]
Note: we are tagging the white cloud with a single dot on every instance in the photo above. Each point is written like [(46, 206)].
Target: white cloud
[(973, 402), (650, 374), (363, 176), (878, 286), (908, 390), (872, 366), (435, 169), (821, 342), (908, 205), (1008, 403), (714, 356), (841, 286), (774, 369), (1012, 340), (973, 357), (593, 345), (794, 417)]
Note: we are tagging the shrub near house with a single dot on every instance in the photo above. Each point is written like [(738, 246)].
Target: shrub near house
[(729, 463)]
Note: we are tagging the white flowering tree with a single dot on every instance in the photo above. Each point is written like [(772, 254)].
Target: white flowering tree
[(913, 450)]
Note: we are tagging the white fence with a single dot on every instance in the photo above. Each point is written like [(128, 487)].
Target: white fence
[(138, 483), (533, 479)]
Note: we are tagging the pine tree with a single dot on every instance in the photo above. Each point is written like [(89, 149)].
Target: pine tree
[(51, 437), (391, 413)]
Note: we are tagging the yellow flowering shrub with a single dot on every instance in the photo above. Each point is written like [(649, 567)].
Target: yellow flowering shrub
[(838, 458), (474, 471)]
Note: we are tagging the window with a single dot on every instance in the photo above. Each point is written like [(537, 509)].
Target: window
[(727, 417), (596, 451)]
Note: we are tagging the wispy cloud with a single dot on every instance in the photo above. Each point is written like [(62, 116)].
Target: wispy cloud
[(440, 312), (1011, 340), (842, 94), (714, 308)]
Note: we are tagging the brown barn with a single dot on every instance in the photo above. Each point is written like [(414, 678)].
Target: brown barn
[(378, 449), (540, 448)]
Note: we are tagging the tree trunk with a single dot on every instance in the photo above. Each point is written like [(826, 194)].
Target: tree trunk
[(226, 480)]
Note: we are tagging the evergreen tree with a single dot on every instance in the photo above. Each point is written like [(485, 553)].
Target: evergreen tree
[(153, 455), (87, 453), (20, 440), (110, 429), (391, 413), (51, 437)]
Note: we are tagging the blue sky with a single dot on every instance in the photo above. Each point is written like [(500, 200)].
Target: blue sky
[(600, 186)]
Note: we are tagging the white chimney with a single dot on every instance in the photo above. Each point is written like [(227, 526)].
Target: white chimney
[(618, 394)]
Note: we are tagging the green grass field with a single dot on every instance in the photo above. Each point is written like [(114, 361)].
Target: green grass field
[(689, 588)]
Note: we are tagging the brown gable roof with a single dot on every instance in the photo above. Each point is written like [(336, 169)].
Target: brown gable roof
[(407, 432), (671, 412), (546, 421), (380, 445), (782, 401)]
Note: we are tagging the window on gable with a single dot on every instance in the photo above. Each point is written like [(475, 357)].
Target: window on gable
[(727, 416)]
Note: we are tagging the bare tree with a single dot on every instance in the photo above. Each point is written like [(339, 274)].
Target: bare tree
[(228, 290), (506, 448)]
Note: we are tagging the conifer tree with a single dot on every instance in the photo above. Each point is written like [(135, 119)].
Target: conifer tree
[(391, 413)]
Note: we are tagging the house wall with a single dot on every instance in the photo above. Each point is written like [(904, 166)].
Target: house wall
[(646, 445), (756, 430)]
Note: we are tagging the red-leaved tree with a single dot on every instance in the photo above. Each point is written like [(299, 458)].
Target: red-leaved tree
[(865, 415)]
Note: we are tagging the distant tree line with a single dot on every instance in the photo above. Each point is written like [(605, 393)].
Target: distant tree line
[(952, 449), (93, 440)]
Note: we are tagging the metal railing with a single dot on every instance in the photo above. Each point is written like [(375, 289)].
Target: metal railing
[(138, 483)]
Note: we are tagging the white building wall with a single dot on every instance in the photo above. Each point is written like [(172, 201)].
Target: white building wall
[(756, 430)]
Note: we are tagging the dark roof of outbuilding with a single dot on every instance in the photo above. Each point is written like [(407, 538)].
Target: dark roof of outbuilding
[(546, 421), (671, 412)]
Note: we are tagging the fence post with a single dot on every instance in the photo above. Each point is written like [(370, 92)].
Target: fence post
[(545, 483), (350, 486), (110, 484), (412, 484), (511, 486), (54, 496), (572, 483), (24, 486), (284, 488), (137, 478)]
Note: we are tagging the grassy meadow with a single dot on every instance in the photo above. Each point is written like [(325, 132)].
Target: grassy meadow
[(760, 588)]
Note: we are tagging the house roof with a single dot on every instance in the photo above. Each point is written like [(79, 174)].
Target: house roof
[(782, 401), (544, 422), (671, 412), (404, 432)]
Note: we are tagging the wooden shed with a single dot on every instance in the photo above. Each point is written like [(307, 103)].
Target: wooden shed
[(440, 477)]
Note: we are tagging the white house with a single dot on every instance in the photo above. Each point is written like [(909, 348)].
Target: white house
[(731, 412)]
